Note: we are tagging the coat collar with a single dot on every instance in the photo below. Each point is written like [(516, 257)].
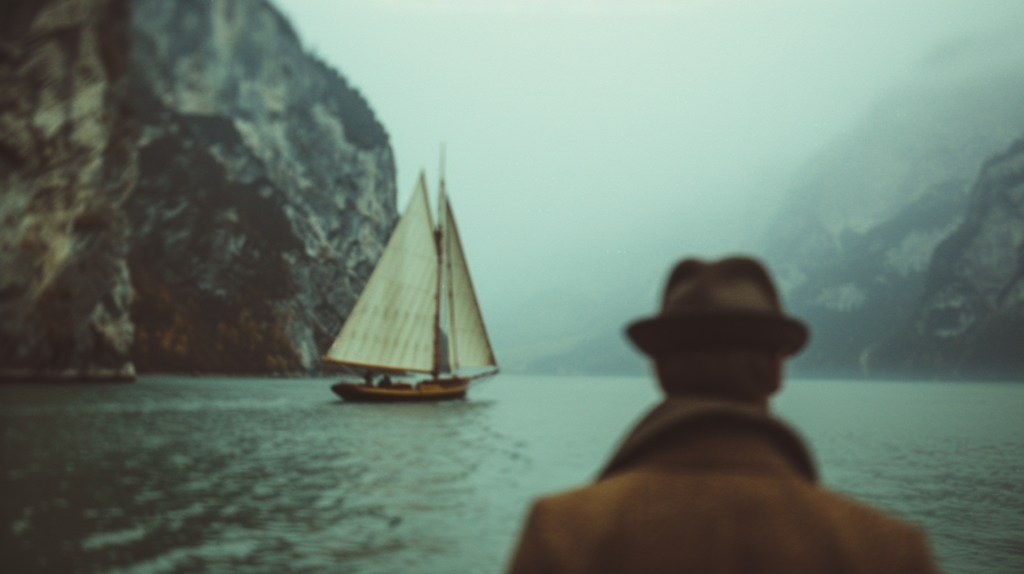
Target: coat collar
[(679, 413)]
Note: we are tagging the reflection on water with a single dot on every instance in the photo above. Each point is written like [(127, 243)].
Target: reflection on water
[(172, 475), (266, 475)]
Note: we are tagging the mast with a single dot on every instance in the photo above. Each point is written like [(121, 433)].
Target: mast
[(440, 265)]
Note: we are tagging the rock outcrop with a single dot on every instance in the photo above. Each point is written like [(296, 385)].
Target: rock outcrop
[(184, 190), (853, 241), (266, 192), (969, 322), (67, 165)]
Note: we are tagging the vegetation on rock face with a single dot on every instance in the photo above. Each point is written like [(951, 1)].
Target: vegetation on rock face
[(206, 335), (206, 260), (361, 126)]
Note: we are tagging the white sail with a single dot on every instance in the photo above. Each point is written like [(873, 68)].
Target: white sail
[(468, 345), (393, 323)]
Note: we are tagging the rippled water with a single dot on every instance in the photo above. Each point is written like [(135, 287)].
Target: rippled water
[(267, 475)]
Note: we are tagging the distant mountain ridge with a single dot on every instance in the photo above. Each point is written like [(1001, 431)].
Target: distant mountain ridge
[(858, 236), (852, 245), (969, 321)]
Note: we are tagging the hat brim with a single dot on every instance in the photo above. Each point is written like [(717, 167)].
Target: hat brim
[(670, 333)]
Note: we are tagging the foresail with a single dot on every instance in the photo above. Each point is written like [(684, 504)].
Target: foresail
[(392, 323), (468, 345)]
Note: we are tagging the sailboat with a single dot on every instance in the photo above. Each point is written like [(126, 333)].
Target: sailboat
[(418, 318)]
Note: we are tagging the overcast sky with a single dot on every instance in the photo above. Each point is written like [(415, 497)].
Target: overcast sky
[(592, 142)]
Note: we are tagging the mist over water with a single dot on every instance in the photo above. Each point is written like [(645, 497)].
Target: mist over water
[(591, 144), (180, 474)]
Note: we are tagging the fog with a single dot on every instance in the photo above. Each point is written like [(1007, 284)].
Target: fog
[(591, 143)]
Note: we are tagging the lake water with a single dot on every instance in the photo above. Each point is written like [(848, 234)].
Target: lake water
[(268, 475)]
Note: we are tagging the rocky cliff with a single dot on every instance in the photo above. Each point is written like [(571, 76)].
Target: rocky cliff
[(185, 190), (969, 322), (266, 192), (852, 243), (67, 165)]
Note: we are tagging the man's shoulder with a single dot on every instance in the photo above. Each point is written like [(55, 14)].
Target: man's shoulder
[(665, 501), (628, 519), (865, 518), (584, 503)]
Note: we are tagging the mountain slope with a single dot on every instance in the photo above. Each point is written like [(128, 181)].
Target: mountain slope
[(854, 238), (266, 192), (969, 322)]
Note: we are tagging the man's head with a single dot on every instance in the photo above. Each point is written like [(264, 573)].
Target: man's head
[(721, 331)]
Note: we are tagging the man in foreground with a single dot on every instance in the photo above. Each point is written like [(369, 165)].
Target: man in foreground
[(708, 481)]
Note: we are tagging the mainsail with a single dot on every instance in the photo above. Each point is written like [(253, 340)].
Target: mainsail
[(393, 323), (418, 311)]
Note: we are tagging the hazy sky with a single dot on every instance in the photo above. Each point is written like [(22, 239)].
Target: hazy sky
[(590, 143)]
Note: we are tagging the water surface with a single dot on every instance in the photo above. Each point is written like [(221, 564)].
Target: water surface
[(265, 475)]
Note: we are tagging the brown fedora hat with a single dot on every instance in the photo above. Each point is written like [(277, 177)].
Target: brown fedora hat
[(728, 303)]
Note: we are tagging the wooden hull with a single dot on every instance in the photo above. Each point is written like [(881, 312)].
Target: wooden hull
[(441, 390)]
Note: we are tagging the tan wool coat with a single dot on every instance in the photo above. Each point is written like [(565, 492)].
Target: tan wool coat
[(713, 486)]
